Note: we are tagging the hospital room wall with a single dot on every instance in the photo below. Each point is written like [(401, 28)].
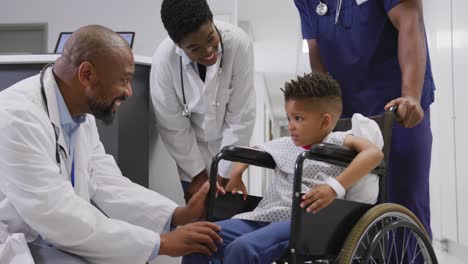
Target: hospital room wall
[(141, 16), (118, 15), (447, 33)]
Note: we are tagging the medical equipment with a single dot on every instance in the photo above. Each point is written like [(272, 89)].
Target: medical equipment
[(186, 111), (58, 148), (322, 9)]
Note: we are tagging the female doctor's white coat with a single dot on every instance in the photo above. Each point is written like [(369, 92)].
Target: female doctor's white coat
[(37, 198), (221, 115)]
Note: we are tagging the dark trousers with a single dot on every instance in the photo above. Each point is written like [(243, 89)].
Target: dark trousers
[(410, 162)]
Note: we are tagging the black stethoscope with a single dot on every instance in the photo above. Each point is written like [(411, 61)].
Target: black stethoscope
[(322, 9), (186, 111), (58, 147)]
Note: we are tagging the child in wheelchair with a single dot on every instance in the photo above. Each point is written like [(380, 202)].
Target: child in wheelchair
[(313, 105)]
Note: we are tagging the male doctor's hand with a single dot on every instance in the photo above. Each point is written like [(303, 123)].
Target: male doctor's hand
[(195, 208), (200, 237), (409, 112)]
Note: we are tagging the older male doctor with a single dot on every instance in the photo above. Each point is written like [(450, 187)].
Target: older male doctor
[(202, 89), (52, 165)]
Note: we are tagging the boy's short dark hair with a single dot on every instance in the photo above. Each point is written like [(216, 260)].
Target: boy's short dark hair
[(182, 17), (316, 86)]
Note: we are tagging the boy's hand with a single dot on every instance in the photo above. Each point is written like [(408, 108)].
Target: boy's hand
[(318, 198), (235, 185)]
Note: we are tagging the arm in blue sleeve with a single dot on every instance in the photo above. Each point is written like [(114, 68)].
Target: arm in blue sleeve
[(308, 19), (389, 4)]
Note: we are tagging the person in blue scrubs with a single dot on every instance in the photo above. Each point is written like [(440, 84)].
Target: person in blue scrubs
[(377, 50)]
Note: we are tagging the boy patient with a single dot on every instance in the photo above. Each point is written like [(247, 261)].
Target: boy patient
[(313, 106)]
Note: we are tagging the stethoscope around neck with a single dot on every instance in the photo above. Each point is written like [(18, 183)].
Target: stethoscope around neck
[(322, 10), (186, 110), (58, 147)]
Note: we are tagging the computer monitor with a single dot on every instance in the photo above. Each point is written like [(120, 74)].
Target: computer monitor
[(63, 37)]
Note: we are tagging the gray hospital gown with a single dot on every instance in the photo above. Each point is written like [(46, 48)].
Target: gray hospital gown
[(276, 204)]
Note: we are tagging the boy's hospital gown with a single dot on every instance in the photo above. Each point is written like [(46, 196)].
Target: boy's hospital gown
[(276, 204)]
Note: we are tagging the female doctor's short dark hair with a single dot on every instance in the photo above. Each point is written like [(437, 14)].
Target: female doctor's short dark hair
[(182, 17)]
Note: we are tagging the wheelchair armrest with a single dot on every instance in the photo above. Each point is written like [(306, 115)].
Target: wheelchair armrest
[(246, 155), (338, 155), (228, 205), (250, 156)]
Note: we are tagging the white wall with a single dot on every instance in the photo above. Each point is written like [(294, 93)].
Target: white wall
[(438, 23), (119, 15), (460, 93), (447, 30)]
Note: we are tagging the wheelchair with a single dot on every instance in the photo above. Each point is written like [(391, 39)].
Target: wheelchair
[(345, 232)]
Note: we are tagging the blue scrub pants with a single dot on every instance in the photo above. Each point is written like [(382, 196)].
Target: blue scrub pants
[(247, 242), (408, 179), (410, 162)]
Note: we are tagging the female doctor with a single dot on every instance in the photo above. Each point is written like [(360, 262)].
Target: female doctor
[(201, 89)]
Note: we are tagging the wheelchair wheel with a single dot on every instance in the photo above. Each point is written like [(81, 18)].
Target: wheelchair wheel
[(372, 239)]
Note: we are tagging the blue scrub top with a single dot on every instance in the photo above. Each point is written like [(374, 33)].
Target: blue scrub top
[(361, 52)]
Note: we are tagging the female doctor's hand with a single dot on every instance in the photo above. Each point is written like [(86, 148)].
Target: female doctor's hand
[(409, 112), (195, 209), (196, 185)]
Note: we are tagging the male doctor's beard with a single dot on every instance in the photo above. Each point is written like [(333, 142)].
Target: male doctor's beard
[(104, 112)]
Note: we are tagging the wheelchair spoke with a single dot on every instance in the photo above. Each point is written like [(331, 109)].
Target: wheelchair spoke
[(389, 240), (415, 256), (364, 246), (405, 245), (395, 249), (382, 250)]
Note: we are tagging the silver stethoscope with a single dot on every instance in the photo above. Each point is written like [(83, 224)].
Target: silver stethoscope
[(186, 111), (58, 147), (322, 9)]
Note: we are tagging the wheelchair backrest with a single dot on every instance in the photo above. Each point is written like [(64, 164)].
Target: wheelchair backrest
[(385, 122)]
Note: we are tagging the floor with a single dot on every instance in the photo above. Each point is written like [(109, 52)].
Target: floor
[(444, 258)]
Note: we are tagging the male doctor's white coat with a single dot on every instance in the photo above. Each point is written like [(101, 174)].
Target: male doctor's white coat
[(221, 115), (37, 198)]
